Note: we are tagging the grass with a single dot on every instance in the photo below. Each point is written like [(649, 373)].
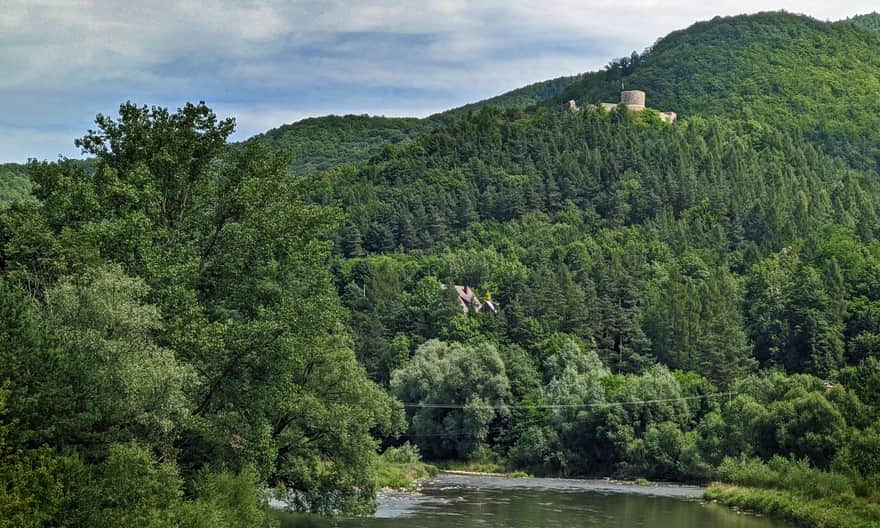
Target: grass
[(402, 476), (476, 466), (842, 511)]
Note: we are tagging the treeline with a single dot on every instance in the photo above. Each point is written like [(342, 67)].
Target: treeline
[(324, 143), (566, 414), (171, 347), (870, 21)]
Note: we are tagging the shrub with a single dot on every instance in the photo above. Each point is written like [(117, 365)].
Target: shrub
[(786, 474), (405, 454)]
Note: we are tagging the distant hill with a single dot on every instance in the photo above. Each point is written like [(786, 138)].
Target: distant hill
[(14, 183), (819, 78), (322, 143)]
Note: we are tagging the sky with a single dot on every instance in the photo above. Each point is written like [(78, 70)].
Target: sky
[(272, 62)]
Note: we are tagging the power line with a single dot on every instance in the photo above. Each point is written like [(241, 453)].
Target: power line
[(716, 395)]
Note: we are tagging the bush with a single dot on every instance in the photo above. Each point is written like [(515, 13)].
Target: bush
[(226, 500), (405, 454), (796, 476), (531, 450)]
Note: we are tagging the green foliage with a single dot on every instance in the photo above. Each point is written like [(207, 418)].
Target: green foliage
[(823, 513), (202, 323), (521, 98), (401, 467), (782, 473), (329, 142), (793, 325), (225, 499), (402, 476), (472, 380), (694, 316)]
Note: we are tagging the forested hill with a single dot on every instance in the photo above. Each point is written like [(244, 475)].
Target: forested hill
[(734, 252), (633, 261), (14, 182), (798, 73), (791, 71), (323, 143)]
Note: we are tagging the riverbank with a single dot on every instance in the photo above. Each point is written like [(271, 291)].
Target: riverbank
[(841, 511)]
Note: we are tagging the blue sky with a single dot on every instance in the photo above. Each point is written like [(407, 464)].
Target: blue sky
[(272, 62)]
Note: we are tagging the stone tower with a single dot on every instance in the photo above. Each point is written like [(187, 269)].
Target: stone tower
[(633, 99)]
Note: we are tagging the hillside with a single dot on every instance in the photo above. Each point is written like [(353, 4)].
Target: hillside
[(797, 73), (729, 254)]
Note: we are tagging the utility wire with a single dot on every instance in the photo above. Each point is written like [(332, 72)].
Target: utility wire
[(716, 395)]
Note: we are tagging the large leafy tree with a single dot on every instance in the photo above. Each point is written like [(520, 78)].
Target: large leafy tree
[(458, 393), (235, 265)]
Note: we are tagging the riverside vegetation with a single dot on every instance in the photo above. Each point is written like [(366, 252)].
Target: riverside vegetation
[(689, 302)]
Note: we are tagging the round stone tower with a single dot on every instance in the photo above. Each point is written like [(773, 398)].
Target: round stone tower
[(634, 99)]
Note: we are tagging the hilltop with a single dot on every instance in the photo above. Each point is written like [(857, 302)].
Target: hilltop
[(796, 72), (818, 78), (322, 143)]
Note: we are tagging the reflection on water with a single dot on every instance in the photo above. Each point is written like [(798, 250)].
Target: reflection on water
[(490, 502)]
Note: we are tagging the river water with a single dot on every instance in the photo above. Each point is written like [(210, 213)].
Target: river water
[(497, 502)]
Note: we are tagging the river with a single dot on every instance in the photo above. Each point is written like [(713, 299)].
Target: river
[(497, 502)]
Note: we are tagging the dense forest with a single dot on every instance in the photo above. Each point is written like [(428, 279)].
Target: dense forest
[(693, 301), (327, 142)]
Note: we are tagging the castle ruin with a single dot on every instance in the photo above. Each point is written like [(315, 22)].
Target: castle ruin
[(633, 100)]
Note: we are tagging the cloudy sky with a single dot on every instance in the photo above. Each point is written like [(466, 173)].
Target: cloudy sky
[(272, 62)]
